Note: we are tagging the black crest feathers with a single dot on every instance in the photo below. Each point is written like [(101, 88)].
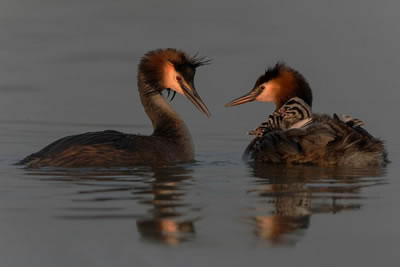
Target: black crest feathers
[(271, 73), (153, 63)]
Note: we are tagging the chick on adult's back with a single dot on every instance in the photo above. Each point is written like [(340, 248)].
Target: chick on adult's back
[(163, 69), (324, 140)]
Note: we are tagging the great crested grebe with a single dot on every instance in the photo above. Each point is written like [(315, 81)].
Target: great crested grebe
[(296, 113), (293, 114), (158, 70), (322, 140)]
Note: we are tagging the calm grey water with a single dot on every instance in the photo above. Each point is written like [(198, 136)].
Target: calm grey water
[(69, 67)]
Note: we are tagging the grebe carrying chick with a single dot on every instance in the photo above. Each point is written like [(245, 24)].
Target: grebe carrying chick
[(158, 70), (294, 135)]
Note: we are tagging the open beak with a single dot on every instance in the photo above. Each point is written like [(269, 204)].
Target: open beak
[(251, 96), (192, 95)]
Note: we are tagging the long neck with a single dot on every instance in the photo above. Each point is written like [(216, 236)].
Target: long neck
[(166, 122)]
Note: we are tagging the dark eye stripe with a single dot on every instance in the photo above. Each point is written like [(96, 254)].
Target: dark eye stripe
[(300, 107), (300, 103), (307, 110), (298, 111), (291, 102), (295, 108)]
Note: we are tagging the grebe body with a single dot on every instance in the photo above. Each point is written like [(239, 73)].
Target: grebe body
[(303, 139), (159, 70)]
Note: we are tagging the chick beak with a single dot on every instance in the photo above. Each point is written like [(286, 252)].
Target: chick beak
[(190, 92), (251, 96)]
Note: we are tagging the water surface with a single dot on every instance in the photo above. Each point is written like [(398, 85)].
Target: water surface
[(69, 67)]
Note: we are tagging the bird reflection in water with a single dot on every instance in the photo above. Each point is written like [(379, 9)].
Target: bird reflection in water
[(153, 196), (166, 221), (294, 193)]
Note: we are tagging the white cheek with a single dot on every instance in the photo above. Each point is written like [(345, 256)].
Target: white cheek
[(170, 79), (267, 95), (178, 88)]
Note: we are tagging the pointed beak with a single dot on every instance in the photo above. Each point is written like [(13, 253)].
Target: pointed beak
[(251, 96), (192, 95)]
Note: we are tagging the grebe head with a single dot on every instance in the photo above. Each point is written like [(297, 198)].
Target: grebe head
[(278, 84), (171, 69)]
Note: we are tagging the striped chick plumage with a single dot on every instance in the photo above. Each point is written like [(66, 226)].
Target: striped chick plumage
[(292, 134)]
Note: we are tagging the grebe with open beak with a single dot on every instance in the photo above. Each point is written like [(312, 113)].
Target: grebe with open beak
[(323, 140), (159, 70)]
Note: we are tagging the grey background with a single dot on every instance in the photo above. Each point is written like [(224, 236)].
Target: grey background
[(69, 60), (70, 66)]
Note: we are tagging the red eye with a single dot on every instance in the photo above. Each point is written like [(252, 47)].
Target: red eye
[(178, 78)]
